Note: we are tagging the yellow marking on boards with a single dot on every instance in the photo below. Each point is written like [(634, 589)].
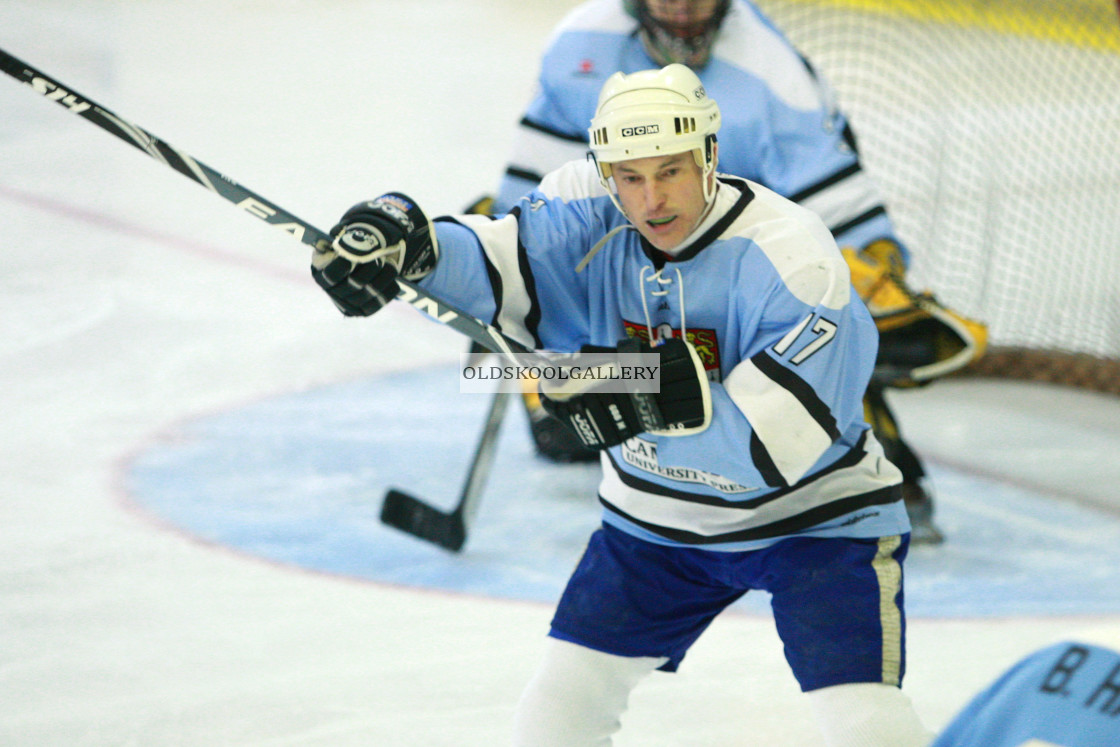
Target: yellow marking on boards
[(1088, 24)]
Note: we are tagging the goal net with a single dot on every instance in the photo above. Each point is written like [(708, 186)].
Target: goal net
[(993, 130)]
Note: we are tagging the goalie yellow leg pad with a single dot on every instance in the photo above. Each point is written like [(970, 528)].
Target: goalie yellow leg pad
[(920, 339)]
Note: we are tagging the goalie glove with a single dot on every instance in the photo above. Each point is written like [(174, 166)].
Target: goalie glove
[(919, 339), (602, 419), (374, 243)]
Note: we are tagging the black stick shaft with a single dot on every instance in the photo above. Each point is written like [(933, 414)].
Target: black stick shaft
[(483, 460)]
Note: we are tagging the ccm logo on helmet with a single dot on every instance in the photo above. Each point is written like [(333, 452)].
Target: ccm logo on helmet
[(650, 129)]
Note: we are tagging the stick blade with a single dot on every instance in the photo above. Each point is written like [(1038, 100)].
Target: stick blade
[(411, 515)]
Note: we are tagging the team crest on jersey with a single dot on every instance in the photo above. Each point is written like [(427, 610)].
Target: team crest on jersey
[(704, 340)]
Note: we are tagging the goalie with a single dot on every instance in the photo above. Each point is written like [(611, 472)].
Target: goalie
[(782, 130)]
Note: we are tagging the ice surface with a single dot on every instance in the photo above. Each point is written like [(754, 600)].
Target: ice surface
[(159, 350)]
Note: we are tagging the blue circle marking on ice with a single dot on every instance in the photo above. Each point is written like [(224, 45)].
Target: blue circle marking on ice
[(299, 479)]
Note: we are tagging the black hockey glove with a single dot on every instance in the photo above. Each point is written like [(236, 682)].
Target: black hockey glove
[(374, 243), (602, 419)]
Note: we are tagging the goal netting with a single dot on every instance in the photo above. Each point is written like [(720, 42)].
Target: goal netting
[(993, 130)]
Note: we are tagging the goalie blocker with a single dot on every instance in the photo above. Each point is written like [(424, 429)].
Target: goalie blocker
[(919, 339), (602, 419)]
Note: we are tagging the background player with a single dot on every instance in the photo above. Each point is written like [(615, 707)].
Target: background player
[(782, 129), (752, 468)]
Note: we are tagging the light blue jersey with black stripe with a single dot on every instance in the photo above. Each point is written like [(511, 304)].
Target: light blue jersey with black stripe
[(1065, 695), (763, 293)]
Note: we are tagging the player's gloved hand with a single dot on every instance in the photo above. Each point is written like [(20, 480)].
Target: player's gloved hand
[(374, 243), (602, 417)]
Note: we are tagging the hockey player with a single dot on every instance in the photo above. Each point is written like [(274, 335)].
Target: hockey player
[(1066, 694), (751, 469), (782, 130)]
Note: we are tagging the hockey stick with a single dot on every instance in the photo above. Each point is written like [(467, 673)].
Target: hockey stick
[(252, 203), (486, 335), (449, 529)]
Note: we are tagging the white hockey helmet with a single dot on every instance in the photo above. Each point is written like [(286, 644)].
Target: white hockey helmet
[(654, 113)]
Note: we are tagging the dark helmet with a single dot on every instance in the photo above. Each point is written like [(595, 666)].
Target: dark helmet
[(679, 30)]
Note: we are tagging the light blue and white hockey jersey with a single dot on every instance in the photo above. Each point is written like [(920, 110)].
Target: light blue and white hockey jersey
[(1065, 695), (780, 126), (765, 296)]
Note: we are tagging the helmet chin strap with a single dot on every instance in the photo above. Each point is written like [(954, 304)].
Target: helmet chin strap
[(708, 169)]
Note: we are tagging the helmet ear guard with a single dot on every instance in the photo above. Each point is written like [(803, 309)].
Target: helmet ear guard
[(709, 153)]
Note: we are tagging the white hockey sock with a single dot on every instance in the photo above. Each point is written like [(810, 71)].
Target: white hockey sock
[(577, 696), (868, 714)]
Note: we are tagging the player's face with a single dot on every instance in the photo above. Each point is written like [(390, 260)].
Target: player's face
[(682, 18), (663, 196)]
